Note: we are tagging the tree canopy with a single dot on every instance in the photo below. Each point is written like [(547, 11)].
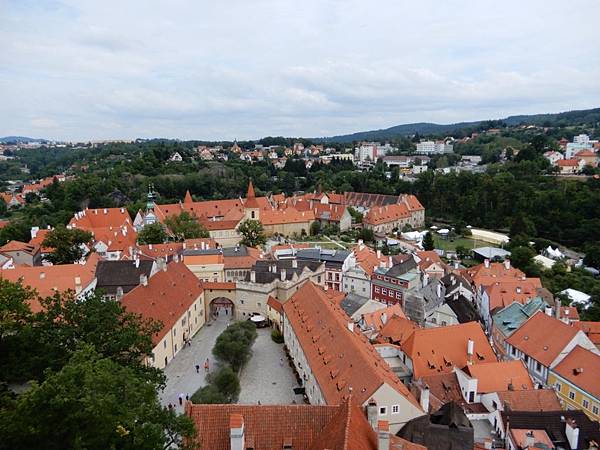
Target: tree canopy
[(67, 244), (252, 232), (185, 226), (154, 233)]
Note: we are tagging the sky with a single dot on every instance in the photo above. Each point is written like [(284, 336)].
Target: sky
[(244, 69)]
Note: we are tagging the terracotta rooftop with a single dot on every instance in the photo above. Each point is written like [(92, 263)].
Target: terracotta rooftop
[(582, 368), (90, 219), (531, 400), (486, 275), (387, 213), (342, 361), (440, 349), (367, 258), (397, 330), (168, 294), (507, 290), (591, 330), (18, 246), (567, 162), (498, 376), (268, 427), (542, 337), (48, 280), (540, 438), (375, 320)]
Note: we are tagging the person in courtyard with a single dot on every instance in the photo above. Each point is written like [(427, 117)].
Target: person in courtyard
[(180, 399), (206, 365), (197, 368)]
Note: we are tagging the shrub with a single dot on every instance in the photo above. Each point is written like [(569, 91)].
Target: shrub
[(277, 337), (208, 394), (226, 382)]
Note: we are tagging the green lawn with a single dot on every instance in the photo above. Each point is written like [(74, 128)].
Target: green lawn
[(451, 244)]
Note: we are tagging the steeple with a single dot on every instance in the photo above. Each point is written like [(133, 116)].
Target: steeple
[(188, 197), (250, 193), (150, 198)]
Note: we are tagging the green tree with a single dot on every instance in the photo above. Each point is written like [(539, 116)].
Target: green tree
[(522, 225), (366, 234), (67, 244), (522, 257), (185, 226), (227, 382), (209, 394), (592, 256), (94, 403), (253, 233), (152, 234), (462, 251), (315, 228), (14, 308), (428, 243), (233, 346)]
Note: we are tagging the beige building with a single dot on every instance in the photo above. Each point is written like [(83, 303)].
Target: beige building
[(207, 265), (175, 297)]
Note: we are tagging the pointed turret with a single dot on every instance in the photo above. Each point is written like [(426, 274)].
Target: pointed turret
[(188, 197), (250, 193)]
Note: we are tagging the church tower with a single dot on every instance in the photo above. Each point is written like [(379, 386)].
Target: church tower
[(251, 206)]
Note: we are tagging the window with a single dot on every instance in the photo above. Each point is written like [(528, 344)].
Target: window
[(572, 395), (513, 351), (183, 322), (586, 403), (258, 304), (433, 320), (377, 289), (595, 409), (175, 348), (526, 359), (399, 295), (395, 409), (557, 386), (242, 302), (384, 291), (165, 343), (319, 279), (382, 411), (444, 323), (538, 366)]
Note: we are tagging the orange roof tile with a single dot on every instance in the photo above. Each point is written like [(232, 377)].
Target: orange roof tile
[(340, 359), (374, 320), (582, 368), (168, 295), (427, 258), (268, 427), (540, 438), (509, 289), (218, 285), (48, 280), (367, 258), (436, 350), (275, 304), (90, 219), (39, 238), (388, 213), (485, 276), (18, 246), (498, 376), (591, 330), (153, 251), (567, 162), (531, 400), (542, 337), (396, 330)]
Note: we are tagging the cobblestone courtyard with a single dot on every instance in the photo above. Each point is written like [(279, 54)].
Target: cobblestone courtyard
[(265, 378)]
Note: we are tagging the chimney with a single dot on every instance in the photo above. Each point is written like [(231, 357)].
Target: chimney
[(486, 263), (470, 348), (507, 264), (283, 274), (378, 254), (252, 276), (372, 413), (42, 275), (143, 280), (456, 264), (34, 232), (383, 435), (557, 306), (351, 326), (236, 432), (137, 262), (487, 443), (439, 290), (390, 262), (572, 432), (294, 263), (105, 211), (184, 245), (119, 294), (425, 399), (149, 246), (548, 311), (529, 440), (176, 257), (518, 289), (384, 318)]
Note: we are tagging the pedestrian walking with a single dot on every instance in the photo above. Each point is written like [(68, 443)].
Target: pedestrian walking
[(197, 368), (170, 407), (180, 399), (206, 365), (187, 398), (281, 362)]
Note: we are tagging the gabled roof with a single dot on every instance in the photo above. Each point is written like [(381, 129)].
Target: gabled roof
[(591, 330), (305, 427), (500, 376), (167, 296), (384, 214), (367, 258), (90, 219), (428, 258), (376, 320), (125, 274), (397, 330), (582, 368), (507, 290), (510, 318), (567, 162), (542, 338), (486, 274), (440, 349), (18, 246), (342, 361)]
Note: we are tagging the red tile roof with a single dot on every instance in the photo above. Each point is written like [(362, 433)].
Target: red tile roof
[(427, 258), (437, 350), (387, 213), (167, 296), (47, 280), (582, 368), (498, 376), (567, 162), (397, 330), (509, 289), (268, 427), (591, 330), (90, 219), (275, 304), (486, 276), (18, 246), (542, 337), (367, 258), (341, 360), (531, 400), (374, 320)]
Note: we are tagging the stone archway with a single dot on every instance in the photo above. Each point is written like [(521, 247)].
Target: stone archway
[(221, 307)]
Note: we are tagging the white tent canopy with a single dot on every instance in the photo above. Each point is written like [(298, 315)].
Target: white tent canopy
[(258, 318), (554, 253), (443, 231)]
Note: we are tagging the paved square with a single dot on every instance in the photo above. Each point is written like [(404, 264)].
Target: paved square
[(265, 378)]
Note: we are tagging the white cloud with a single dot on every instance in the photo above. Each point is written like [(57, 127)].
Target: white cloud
[(77, 69)]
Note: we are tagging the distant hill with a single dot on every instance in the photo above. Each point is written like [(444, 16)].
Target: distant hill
[(582, 117), (23, 139)]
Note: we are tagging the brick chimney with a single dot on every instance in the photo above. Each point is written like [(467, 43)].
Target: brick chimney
[(383, 435), (372, 413), (236, 432), (424, 400)]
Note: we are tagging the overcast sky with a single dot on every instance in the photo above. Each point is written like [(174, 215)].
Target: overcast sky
[(226, 69)]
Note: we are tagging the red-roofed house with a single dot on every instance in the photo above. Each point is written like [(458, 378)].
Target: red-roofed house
[(335, 361), (588, 157), (570, 166), (175, 297), (359, 267), (542, 342)]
